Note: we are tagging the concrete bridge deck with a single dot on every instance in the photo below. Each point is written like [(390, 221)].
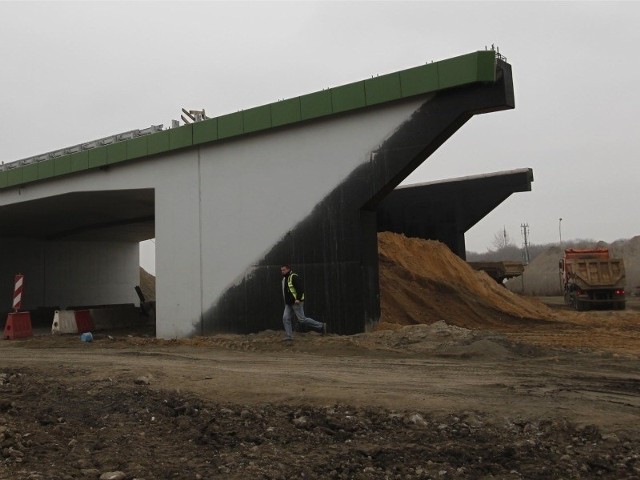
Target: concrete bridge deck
[(231, 198)]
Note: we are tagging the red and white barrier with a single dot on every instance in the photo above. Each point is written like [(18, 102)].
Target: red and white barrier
[(72, 321), (64, 321), (17, 292), (18, 324), (84, 322)]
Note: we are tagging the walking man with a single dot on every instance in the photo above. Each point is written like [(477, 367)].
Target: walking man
[(293, 294)]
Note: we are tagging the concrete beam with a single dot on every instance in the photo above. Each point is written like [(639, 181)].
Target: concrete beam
[(445, 210)]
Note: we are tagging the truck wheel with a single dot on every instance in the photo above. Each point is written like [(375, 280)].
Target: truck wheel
[(579, 306), (621, 306)]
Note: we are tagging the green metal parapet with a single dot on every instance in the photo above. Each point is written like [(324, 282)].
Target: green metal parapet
[(454, 72)]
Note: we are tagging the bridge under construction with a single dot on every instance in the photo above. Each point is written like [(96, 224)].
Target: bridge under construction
[(306, 181)]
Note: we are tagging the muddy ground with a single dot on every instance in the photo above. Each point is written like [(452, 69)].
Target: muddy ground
[(544, 399)]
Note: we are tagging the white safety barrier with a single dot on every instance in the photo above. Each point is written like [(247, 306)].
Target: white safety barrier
[(64, 321)]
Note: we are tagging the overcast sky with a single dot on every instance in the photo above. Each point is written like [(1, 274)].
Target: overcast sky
[(77, 71)]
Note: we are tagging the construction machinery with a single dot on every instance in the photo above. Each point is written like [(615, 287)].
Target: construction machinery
[(592, 279), (499, 271)]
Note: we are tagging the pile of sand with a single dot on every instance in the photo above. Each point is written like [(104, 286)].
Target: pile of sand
[(629, 251), (422, 282), (541, 277)]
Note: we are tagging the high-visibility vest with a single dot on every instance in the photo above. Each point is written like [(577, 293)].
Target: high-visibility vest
[(292, 289)]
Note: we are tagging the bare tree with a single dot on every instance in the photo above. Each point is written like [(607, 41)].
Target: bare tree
[(501, 239)]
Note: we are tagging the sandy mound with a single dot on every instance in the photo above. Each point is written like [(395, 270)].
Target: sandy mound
[(541, 277), (629, 251), (422, 282), (437, 339)]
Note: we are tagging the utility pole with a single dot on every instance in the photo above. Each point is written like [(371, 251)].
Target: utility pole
[(525, 234), (525, 253), (560, 231)]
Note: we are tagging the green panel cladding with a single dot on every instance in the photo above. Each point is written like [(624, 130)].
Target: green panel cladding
[(158, 142), (136, 148), (205, 131), (62, 165), (256, 119), (384, 88), (285, 112), (348, 97), (79, 161), (46, 169), (181, 137), (465, 69), (315, 105), (486, 66), (419, 80), (116, 152), (30, 173), (230, 125), (97, 157), (14, 177)]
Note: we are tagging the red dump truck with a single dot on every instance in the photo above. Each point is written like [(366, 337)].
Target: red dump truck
[(591, 278)]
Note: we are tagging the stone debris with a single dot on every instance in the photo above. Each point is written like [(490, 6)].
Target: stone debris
[(417, 419), (213, 440), (143, 380), (113, 476)]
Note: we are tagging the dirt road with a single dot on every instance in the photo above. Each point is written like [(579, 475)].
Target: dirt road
[(424, 401)]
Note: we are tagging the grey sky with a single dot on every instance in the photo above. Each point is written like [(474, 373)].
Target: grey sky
[(77, 71)]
